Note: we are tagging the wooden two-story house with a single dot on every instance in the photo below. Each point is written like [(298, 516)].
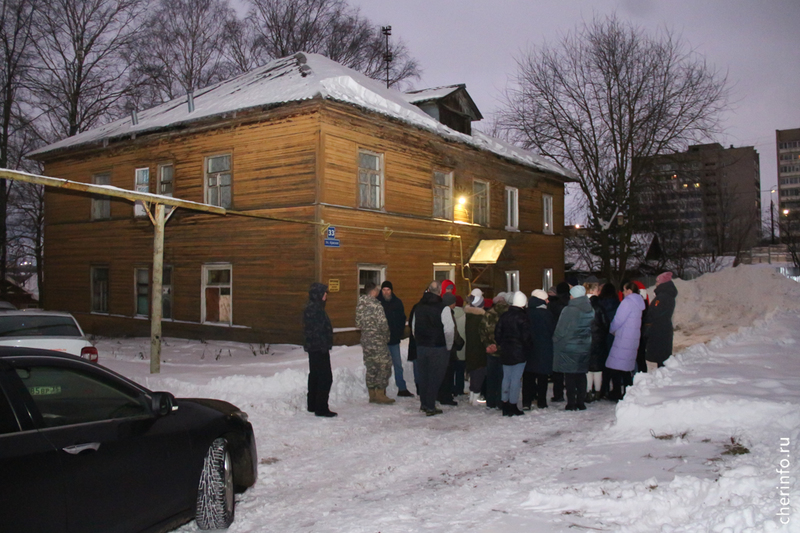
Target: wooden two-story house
[(326, 175)]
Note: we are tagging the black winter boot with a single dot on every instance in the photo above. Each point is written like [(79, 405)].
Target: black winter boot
[(506, 407)]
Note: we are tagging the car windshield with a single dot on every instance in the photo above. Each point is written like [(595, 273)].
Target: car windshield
[(38, 326)]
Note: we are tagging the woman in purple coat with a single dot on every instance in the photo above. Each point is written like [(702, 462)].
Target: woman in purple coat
[(626, 328)]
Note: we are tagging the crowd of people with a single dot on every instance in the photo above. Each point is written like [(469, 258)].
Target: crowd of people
[(588, 340)]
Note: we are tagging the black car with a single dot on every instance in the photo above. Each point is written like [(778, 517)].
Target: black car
[(85, 449)]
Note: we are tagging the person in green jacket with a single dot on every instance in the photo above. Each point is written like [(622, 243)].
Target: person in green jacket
[(572, 346)]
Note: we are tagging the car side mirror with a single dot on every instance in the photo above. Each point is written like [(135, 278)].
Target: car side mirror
[(163, 403)]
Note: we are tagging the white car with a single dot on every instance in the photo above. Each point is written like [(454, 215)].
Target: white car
[(49, 330)]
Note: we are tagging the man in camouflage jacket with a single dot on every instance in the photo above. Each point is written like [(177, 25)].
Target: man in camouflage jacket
[(371, 319)]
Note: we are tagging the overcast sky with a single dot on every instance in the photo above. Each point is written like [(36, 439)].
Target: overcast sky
[(476, 42)]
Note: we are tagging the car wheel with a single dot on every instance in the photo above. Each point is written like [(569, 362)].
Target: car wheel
[(215, 499)]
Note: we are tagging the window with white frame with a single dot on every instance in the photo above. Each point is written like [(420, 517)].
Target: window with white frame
[(166, 181), (142, 184), (374, 273), (142, 291), (370, 180), (218, 179), (443, 271), (512, 208), (512, 280), (217, 288), (99, 289), (547, 279), (480, 203), (443, 195), (547, 210), (101, 205)]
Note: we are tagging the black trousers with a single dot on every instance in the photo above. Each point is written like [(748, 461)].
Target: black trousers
[(445, 394), (619, 379), (558, 385), (534, 387), (432, 363), (493, 381), (576, 388), (320, 379)]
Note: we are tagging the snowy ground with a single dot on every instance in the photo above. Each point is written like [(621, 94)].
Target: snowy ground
[(668, 458)]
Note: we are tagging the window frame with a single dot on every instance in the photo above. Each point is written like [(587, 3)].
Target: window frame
[(204, 285), (380, 175), (512, 208), (547, 279), (369, 267), (450, 268), (512, 281), (447, 197), (166, 293), (207, 174), (137, 286), (99, 294), (547, 214), (139, 210), (101, 205), (160, 179), (476, 204)]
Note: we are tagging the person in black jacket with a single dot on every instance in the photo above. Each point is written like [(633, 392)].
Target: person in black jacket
[(600, 347), (396, 316), (513, 336), (658, 322), (608, 301), (540, 358), (318, 341), (433, 329)]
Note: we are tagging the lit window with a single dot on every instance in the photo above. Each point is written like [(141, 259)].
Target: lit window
[(370, 180)]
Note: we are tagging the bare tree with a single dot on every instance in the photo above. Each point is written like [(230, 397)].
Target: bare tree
[(181, 49), (16, 42), (606, 97), (278, 28), (82, 78)]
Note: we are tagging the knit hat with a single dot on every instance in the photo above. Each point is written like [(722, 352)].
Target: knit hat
[(577, 291), (591, 279), (664, 277), (552, 291), (520, 300), (501, 297), (562, 288), (387, 283), (449, 299), (572, 280), (476, 298), (539, 293)]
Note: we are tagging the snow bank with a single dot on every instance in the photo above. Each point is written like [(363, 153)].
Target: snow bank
[(720, 303)]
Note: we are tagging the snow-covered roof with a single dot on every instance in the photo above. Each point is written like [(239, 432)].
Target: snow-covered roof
[(299, 77), (434, 93)]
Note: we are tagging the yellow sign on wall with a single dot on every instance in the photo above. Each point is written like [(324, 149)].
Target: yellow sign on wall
[(333, 285)]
